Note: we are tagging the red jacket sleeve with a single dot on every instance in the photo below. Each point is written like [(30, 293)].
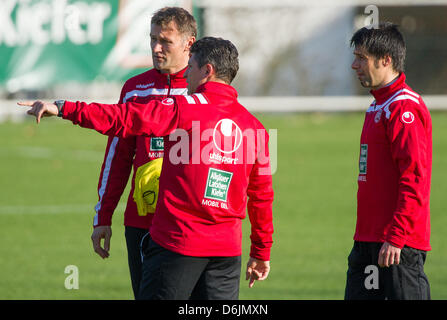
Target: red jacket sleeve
[(124, 120), (259, 206), (410, 141), (115, 171)]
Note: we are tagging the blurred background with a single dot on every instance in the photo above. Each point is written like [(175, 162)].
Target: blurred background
[(86, 49), (294, 75)]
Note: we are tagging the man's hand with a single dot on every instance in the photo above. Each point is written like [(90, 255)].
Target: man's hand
[(256, 270), (102, 232), (388, 255), (40, 109)]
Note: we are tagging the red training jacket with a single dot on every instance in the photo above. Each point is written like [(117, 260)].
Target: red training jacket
[(216, 165), (123, 153), (393, 200)]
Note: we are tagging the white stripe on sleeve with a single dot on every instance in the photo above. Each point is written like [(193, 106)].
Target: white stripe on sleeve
[(105, 177), (401, 97)]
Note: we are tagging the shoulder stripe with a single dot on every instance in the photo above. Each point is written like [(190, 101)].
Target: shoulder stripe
[(201, 98), (190, 100), (178, 92), (391, 99), (105, 177), (411, 92), (379, 106), (155, 92), (398, 98), (145, 93)]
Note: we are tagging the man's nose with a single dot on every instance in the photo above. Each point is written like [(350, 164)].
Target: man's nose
[(354, 64), (156, 46)]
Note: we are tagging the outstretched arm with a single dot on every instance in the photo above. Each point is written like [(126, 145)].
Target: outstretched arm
[(122, 120)]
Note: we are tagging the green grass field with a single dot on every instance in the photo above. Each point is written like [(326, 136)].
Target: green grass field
[(48, 190)]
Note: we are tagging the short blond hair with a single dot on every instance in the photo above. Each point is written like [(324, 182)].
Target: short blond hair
[(185, 22)]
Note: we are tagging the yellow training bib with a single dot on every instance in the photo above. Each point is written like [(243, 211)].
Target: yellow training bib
[(145, 193)]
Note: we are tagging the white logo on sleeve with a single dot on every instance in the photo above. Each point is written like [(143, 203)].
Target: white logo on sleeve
[(168, 101), (407, 117), (227, 136)]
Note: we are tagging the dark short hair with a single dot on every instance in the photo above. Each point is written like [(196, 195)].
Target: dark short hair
[(382, 41), (186, 24), (220, 53)]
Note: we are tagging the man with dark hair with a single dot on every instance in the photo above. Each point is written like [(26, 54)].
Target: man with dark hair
[(217, 165), (173, 30), (225, 60), (392, 233), (383, 41)]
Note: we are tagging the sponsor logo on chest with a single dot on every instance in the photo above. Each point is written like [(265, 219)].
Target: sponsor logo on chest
[(156, 147), (363, 161), (157, 144)]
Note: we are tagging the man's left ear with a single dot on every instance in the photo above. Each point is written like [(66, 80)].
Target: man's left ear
[(189, 43), (387, 61), (209, 69)]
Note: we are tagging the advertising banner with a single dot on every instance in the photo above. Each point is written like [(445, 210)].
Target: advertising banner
[(43, 42)]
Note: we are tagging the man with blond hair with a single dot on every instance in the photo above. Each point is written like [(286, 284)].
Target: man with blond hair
[(173, 31)]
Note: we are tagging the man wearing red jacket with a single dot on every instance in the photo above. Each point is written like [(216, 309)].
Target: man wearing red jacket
[(216, 165), (393, 199), (173, 30)]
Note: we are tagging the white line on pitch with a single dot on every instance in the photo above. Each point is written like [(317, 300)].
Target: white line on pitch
[(34, 152), (53, 209)]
